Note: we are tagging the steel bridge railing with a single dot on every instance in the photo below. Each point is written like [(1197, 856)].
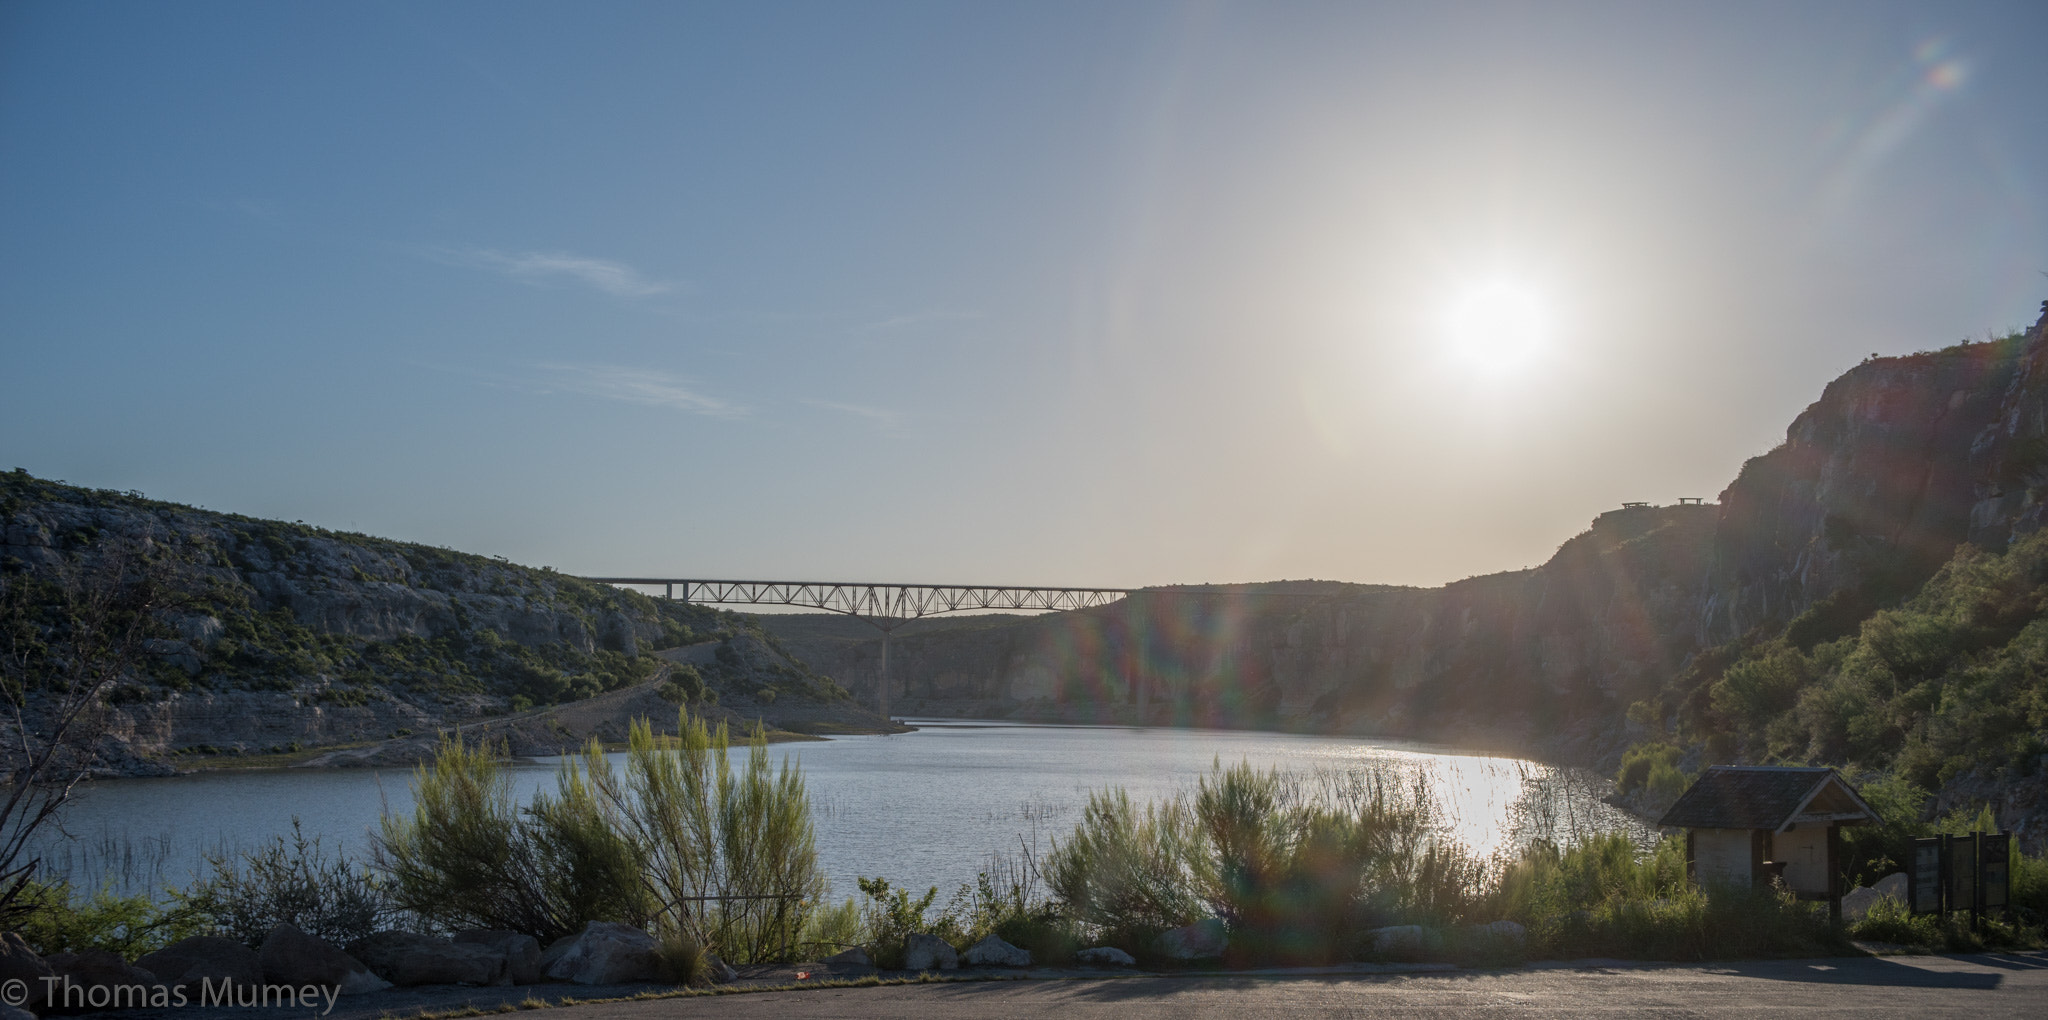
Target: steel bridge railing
[(877, 601)]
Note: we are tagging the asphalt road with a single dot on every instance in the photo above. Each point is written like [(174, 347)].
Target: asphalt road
[(1919, 987), (2001, 985)]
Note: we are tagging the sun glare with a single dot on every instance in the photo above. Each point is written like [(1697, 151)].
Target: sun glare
[(1498, 325)]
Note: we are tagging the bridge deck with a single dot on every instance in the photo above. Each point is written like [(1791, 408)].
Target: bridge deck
[(870, 599)]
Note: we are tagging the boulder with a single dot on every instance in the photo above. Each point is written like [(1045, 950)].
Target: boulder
[(719, 971), (604, 953), (1892, 885), (855, 959), (1404, 942), (204, 958), (406, 959), (1856, 903), (292, 957), (1203, 940), (521, 952), (20, 963), (994, 952), (929, 952), (97, 979), (8, 1012), (1105, 956)]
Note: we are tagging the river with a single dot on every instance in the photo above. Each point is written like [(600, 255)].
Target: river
[(925, 808)]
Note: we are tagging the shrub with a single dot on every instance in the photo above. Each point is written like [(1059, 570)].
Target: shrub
[(468, 858), (1294, 870), (61, 921), (1638, 762), (831, 929), (288, 881), (1125, 873), (681, 957), (684, 686), (730, 855), (889, 917)]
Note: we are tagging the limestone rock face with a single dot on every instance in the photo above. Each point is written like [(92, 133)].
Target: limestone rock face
[(929, 952), (406, 959), (1203, 940), (292, 957), (1105, 956), (202, 958), (521, 952), (603, 953), (992, 951)]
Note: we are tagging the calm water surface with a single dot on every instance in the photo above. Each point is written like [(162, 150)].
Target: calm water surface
[(923, 808)]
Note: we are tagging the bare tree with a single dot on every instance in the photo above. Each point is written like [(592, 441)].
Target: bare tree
[(68, 636)]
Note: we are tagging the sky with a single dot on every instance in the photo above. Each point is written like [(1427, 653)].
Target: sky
[(1020, 293)]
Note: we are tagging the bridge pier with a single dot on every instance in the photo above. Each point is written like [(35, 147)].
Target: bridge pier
[(882, 678)]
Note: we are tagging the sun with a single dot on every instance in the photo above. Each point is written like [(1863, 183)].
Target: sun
[(1498, 324)]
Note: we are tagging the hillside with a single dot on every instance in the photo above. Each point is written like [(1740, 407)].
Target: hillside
[(286, 640), (1867, 594)]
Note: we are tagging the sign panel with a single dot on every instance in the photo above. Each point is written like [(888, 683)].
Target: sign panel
[(1994, 856), (1923, 876), (1962, 872)]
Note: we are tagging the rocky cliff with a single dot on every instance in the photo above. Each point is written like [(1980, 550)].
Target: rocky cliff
[(1877, 484), (287, 639)]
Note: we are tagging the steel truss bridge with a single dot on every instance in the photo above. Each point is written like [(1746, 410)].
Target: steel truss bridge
[(873, 602), (889, 606)]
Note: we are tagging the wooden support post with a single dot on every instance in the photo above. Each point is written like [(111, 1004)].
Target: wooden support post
[(1834, 873)]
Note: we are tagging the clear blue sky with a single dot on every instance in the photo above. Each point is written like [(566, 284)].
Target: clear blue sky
[(1118, 293)]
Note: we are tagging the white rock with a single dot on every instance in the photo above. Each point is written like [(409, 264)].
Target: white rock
[(1202, 940), (1105, 956), (604, 953), (1403, 941), (1893, 885), (994, 952), (929, 952)]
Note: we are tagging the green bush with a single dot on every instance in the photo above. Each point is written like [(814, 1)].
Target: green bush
[(1638, 762), (62, 921), (730, 855), (1692, 924), (1297, 871), (831, 929), (468, 857), (890, 916), (288, 881), (1125, 873)]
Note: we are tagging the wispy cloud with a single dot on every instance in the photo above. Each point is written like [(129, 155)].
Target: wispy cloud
[(879, 415), (637, 386), (614, 278)]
